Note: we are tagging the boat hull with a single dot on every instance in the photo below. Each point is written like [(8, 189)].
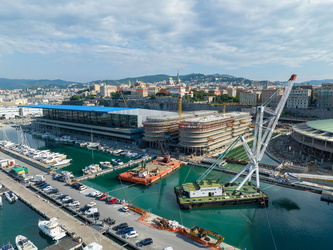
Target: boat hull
[(23, 243)]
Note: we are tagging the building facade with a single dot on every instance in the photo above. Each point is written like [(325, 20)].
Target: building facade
[(325, 96), (299, 99)]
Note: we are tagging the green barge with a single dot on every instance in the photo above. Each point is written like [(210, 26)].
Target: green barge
[(208, 193)]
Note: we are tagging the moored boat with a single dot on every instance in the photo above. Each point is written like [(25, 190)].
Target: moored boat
[(11, 196), (151, 172), (93, 168), (23, 243), (106, 164), (52, 228), (7, 247), (61, 163)]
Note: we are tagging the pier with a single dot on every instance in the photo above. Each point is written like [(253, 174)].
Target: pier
[(49, 210), (108, 170)]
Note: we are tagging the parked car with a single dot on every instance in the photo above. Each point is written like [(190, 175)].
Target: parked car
[(120, 226), (90, 211), (52, 191), (67, 198), (126, 230), (113, 200), (124, 209), (74, 204), (146, 242), (62, 196), (131, 234), (91, 204), (95, 215)]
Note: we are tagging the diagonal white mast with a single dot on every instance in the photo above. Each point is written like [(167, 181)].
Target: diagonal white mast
[(262, 134)]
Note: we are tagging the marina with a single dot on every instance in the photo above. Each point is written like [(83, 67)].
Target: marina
[(243, 224)]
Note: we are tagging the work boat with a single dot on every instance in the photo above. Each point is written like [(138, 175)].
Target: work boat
[(23, 243), (52, 228)]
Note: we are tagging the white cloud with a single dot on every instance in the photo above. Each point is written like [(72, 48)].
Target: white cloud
[(168, 34)]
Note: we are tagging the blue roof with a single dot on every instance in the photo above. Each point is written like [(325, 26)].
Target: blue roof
[(77, 108)]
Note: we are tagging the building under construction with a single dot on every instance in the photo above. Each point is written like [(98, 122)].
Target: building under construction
[(197, 132)]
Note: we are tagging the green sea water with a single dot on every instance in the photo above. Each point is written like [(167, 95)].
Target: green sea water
[(17, 218), (293, 219)]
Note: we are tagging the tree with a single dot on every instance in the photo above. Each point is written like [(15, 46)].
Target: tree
[(75, 98)]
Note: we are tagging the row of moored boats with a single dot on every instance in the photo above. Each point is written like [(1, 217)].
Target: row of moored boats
[(44, 156)]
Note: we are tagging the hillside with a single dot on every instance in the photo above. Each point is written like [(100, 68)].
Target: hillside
[(29, 83)]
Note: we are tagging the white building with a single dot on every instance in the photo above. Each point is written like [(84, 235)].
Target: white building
[(299, 98)]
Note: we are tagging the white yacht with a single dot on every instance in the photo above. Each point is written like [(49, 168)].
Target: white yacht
[(52, 228), (23, 243), (105, 164), (93, 168), (60, 163)]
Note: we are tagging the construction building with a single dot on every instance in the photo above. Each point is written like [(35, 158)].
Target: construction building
[(213, 133), (166, 128), (197, 132)]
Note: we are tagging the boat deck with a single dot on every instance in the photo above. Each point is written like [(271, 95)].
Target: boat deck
[(155, 170)]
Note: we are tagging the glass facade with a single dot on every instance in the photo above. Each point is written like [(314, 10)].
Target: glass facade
[(93, 118)]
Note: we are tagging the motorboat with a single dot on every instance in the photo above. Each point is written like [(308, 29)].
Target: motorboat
[(105, 164), (93, 168), (61, 163), (11, 196), (52, 228), (23, 243), (7, 247)]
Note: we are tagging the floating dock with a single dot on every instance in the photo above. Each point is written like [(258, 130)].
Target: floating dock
[(209, 193), (151, 172)]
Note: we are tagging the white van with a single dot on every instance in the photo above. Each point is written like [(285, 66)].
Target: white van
[(91, 211)]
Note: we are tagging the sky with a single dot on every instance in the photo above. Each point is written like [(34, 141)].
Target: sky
[(86, 40)]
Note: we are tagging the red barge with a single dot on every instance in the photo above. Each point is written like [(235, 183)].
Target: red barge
[(153, 171)]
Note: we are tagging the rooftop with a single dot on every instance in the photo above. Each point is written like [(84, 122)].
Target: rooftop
[(323, 125), (77, 108)]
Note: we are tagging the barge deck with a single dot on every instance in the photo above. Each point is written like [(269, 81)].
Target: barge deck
[(203, 194), (151, 172)]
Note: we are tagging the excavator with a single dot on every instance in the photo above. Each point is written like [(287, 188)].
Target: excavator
[(202, 234)]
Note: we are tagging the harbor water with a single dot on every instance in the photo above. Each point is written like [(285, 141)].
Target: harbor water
[(293, 219)]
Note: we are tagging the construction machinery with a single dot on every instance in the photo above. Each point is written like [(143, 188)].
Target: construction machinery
[(203, 235), (263, 132), (166, 157)]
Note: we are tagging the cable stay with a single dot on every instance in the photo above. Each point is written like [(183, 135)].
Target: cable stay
[(219, 160)]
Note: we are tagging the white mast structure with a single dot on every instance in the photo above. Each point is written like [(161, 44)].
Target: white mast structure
[(262, 134)]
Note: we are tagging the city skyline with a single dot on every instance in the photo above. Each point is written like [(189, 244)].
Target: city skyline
[(84, 41)]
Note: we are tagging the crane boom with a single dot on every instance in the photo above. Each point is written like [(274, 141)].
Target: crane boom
[(263, 134)]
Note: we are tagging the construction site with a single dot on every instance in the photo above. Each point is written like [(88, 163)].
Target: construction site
[(198, 133)]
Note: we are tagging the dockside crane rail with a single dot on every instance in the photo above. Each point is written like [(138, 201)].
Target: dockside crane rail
[(219, 159), (262, 134)]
